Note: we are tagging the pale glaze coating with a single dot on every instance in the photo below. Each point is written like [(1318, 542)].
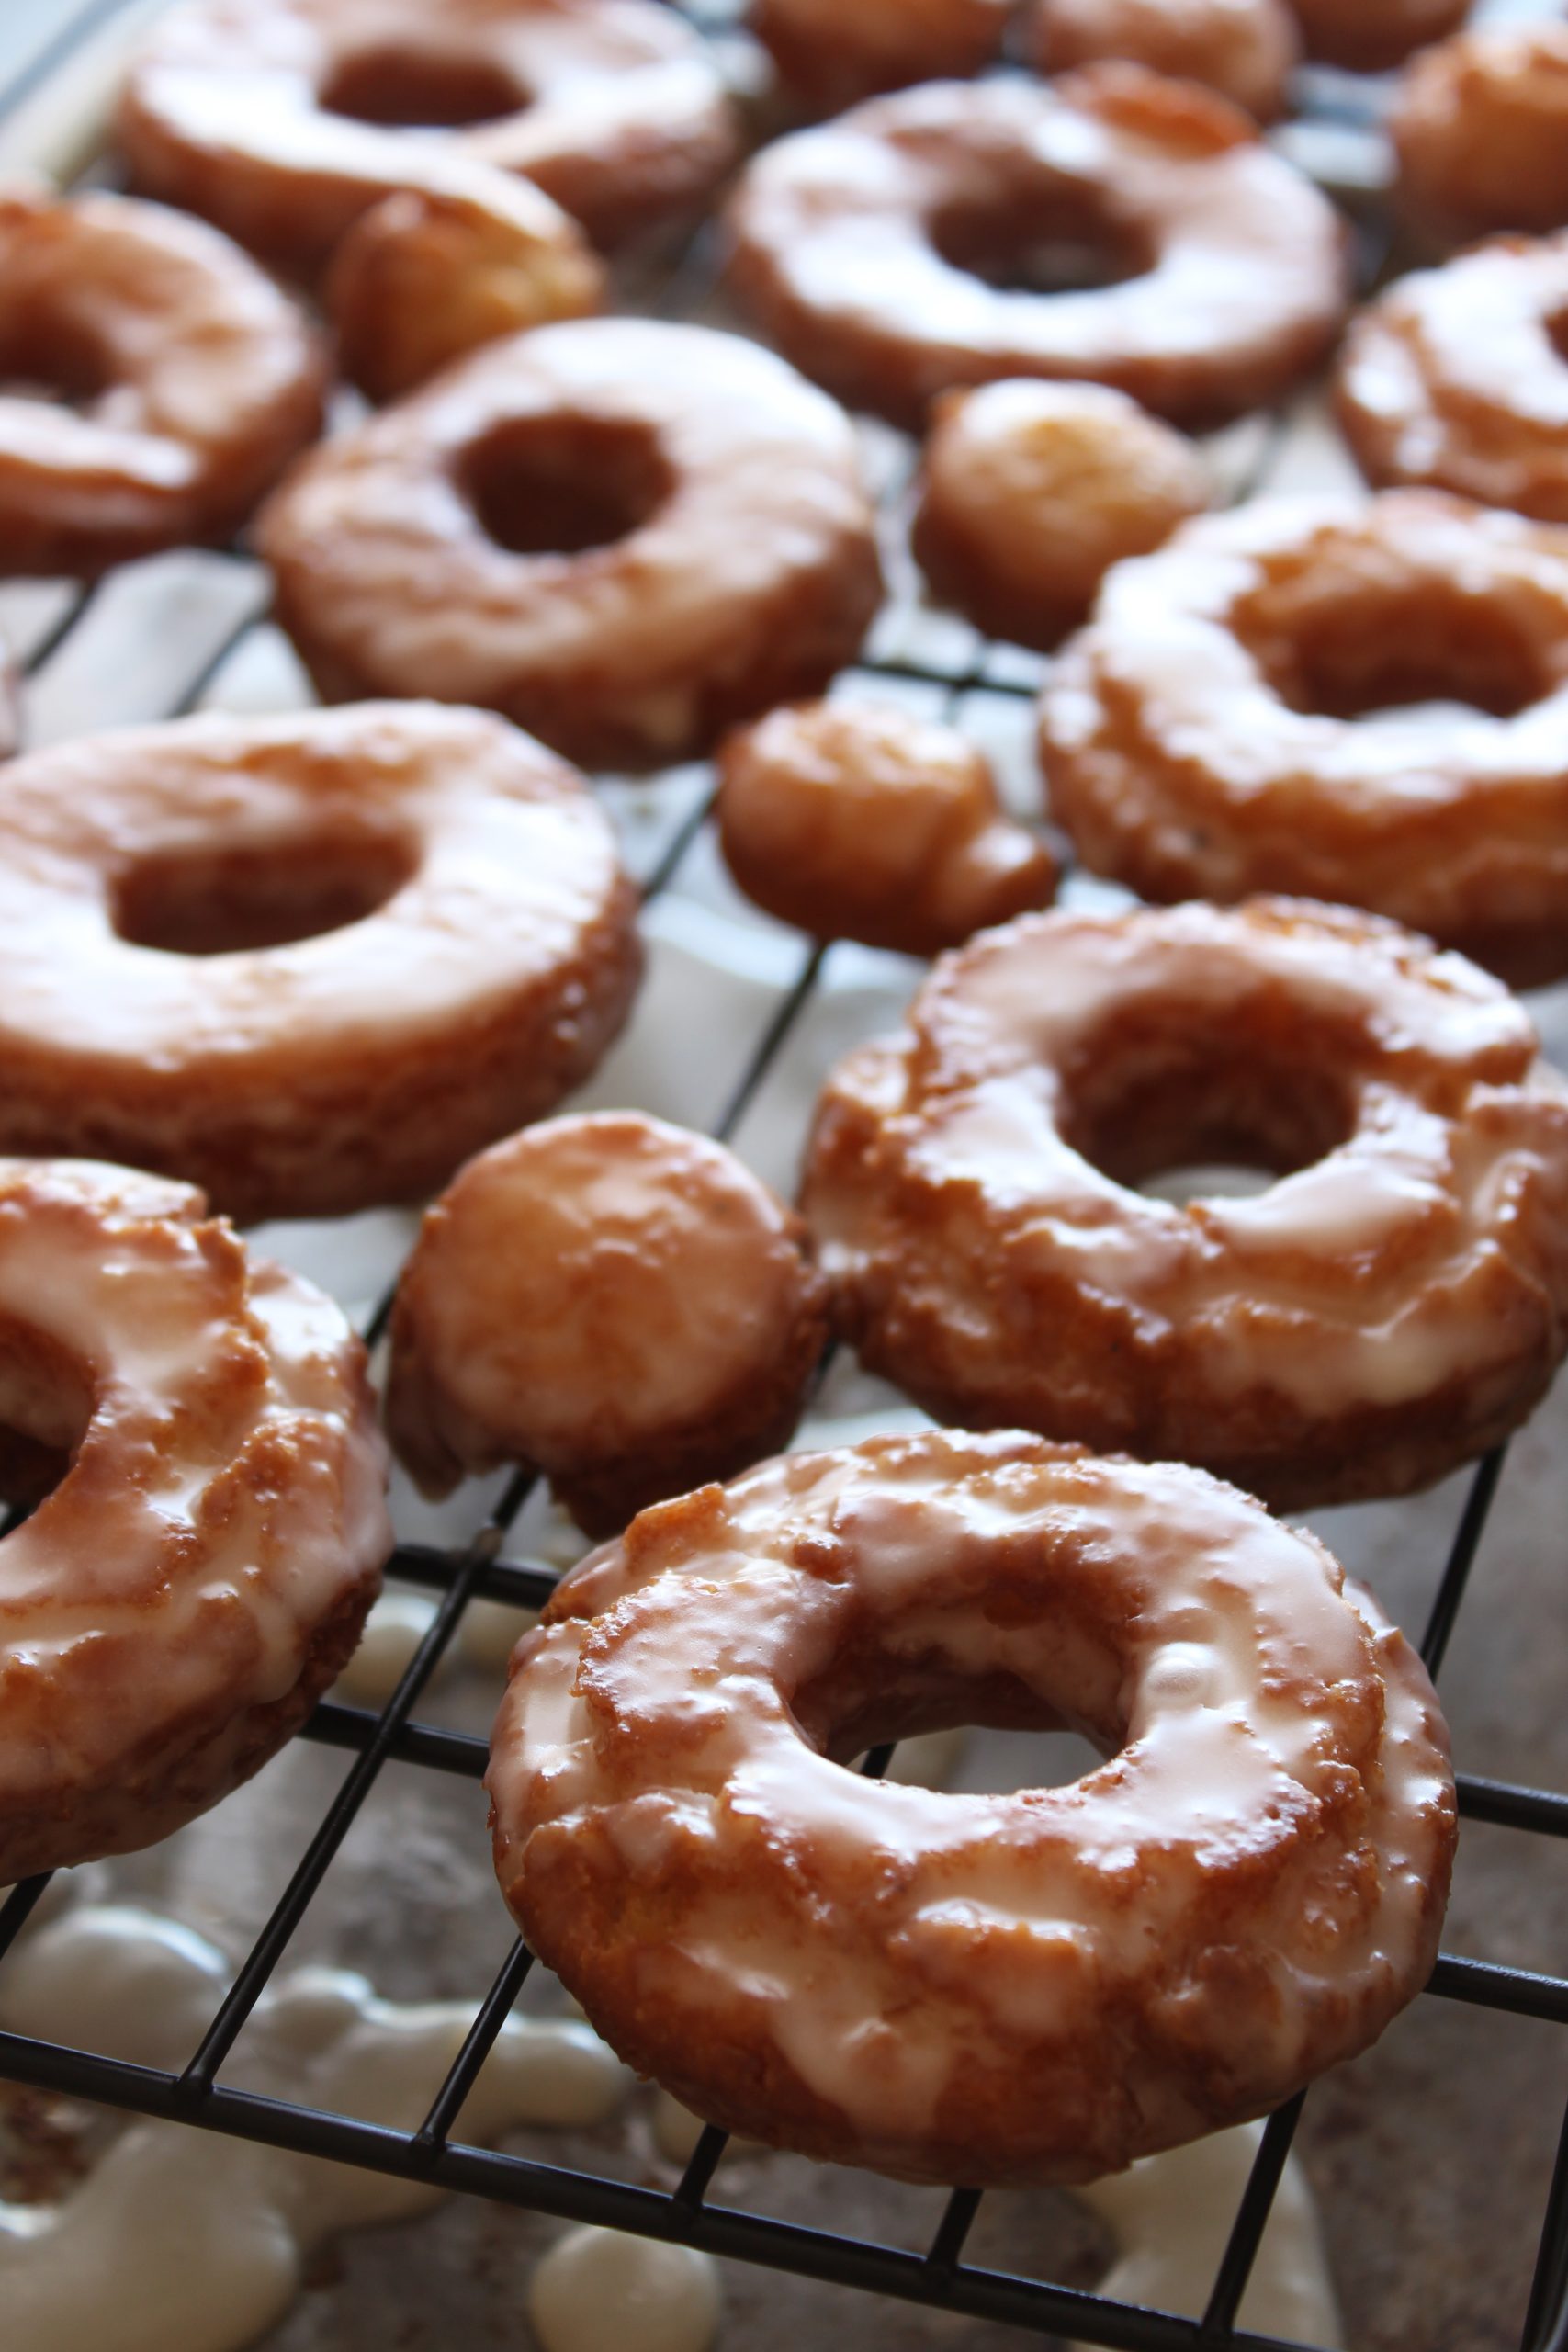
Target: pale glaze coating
[(282, 121), (1454, 379), (426, 276), (1480, 127), (1369, 36), (830, 55), (198, 381), (858, 820), (868, 247), (720, 553), (1393, 1304), (1204, 736), (1000, 1991), (1028, 492), (171, 1612), (459, 947), (1246, 49), (614, 1300)]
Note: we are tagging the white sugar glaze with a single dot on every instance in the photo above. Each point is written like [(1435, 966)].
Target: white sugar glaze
[(598, 2291)]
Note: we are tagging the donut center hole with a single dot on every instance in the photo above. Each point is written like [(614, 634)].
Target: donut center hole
[(421, 89), (46, 1403), (222, 901), (1180, 1117), (555, 486), (1056, 244), (1421, 653), (54, 362)]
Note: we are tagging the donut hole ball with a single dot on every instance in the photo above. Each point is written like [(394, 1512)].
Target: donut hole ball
[(1029, 491), (543, 486), (1480, 128), (1371, 35), (860, 821), (222, 901), (620, 1303), (1244, 49), (426, 88), (827, 55)]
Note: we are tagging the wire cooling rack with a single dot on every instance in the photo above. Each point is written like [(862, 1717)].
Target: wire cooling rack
[(208, 609)]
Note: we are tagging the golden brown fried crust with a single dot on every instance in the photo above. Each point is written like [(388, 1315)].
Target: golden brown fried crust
[(1480, 127), (1244, 49), (830, 56), (1389, 1307), (897, 251), (855, 822), (1202, 737), (196, 380), (1005, 1990), (612, 1300), (456, 945), (282, 121), (1028, 492), (1369, 36)]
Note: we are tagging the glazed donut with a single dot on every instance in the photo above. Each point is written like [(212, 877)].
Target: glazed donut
[(426, 276), (1002, 1991), (171, 1612), (1246, 49), (1395, 1303), (614, 1301), (830, 55), (1202, 738), (1029, 491), (1369, 36), (625, 535), (283, 119), (1480, 127), (856, 821), (311, 963), (1453, 379), (196, 380), (900, 251)]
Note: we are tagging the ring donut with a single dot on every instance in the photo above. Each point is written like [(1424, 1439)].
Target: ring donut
[(282, 121), (624, 535), (1369, 36), (1204, 736), (1453, 380), (1001, 1991), (1246, 49), (1393, 1304), (170, 1613), (830, 56), (1480, 129), (311, 963), (897, 251), (196, 379)]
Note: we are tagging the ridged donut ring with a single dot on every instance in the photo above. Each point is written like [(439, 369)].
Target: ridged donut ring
[(1393, 1304), (311, 963), (171, 1612), (989, 1990)]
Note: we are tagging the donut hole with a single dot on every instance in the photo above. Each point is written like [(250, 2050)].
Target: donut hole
[(1059, 242), (224, 901), (562, 486), (407, 89), (1174, 1115), (54, 361), (46, 1404), (1349, 658)]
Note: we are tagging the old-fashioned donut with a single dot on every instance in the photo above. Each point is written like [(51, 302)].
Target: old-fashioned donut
[(903, 249), (1393, 1304), (1480, 127), (1369, 36), (1233, 719), (170, 1613), (1029, 491), (858, 820), (613, 1300), (830, 56), (282, 121), (1000, 1990), (310, 963), (1455, 378), (193, 381), (1244, 49), (626, 536)]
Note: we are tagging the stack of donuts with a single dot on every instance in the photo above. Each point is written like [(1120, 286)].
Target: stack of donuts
[(291, 966)]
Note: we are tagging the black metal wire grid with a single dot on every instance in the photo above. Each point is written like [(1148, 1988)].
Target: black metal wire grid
[(939, 2278)]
